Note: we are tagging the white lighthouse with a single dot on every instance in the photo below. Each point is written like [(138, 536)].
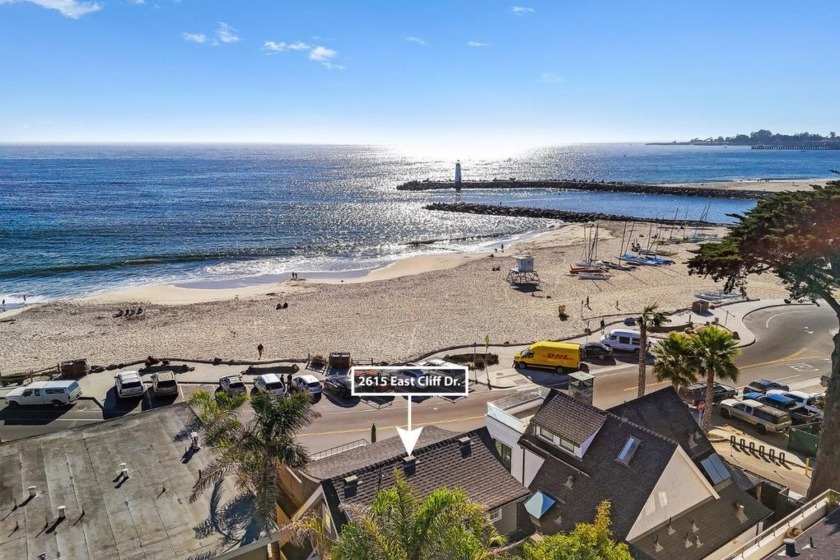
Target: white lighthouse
[(458, 175)]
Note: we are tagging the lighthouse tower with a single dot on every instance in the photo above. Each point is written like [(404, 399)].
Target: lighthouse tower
[(458, 175)]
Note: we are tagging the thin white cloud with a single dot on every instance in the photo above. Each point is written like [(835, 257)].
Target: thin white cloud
[(415, 40), (194, 37), (322, 54), (551, 78), (522, 10), (476, 44), (274, 46), (226, 34), (137, 2), (69, 8)]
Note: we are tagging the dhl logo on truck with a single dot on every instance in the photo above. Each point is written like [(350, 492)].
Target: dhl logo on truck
[(558, 356)]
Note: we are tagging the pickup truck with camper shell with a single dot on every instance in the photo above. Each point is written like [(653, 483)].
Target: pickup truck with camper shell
[(56, 393)]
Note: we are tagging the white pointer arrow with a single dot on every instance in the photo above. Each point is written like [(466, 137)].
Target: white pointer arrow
[(409, 437)]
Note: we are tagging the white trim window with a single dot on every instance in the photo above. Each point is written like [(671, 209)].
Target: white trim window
[(495, 514)]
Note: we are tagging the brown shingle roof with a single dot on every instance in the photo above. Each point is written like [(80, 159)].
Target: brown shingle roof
[(568, 418)]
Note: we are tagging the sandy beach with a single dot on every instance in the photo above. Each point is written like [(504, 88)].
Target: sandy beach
[(772, 186), (412, 307)]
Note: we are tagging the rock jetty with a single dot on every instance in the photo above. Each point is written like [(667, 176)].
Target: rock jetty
[(582, 217), (586, 186)]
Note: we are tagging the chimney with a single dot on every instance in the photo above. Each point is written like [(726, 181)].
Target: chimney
[(61, 513), (466, 446), (570, 481), (351, 484), (409, 465), (33, 491)]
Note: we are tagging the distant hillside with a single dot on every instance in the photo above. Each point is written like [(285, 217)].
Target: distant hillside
[(764, 138)]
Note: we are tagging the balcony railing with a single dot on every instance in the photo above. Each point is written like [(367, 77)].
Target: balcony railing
[(505, 409)]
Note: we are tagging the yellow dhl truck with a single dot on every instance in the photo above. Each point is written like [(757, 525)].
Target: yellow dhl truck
[(559, 356)]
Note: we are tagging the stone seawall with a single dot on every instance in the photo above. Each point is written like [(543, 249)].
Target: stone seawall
[(563, 215), (588, 186)]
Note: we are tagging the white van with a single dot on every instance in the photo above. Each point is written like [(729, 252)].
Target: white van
[(622, 339), (56, 393)]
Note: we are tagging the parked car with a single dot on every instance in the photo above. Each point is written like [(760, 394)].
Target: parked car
[(129, 385), (807, 399), (270, 383), (56, 393), (765, 418), (164, 383), (308, 383), (622, 339), (340, 386), (595, 350), (696, 393), (799, 414), (233, 385), (764, 385)]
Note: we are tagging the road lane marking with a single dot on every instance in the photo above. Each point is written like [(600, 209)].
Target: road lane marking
[(767, 322), (648, 385), (793, 356)]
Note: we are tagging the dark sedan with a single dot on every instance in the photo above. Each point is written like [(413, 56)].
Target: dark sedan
[(340, 386), (696, 393), (597, 350)]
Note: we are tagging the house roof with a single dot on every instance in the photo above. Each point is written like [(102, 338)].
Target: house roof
[(448, 462), (599, 476), (826, 538), (570, 419), (716, 523), (149, 515), (666, 414)]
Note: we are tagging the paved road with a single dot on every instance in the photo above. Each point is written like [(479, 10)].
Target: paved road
[(792, 344)]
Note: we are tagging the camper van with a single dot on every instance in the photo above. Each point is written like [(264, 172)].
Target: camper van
[(621, 339), (558, 356), (56, 393)]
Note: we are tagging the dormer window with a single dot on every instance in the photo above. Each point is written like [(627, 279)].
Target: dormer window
[(554, 439), (627, 452)]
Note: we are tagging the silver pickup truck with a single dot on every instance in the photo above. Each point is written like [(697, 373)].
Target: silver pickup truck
[(765, 418)]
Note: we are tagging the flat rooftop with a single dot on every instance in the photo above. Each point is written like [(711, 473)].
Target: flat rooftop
[(147, 516)]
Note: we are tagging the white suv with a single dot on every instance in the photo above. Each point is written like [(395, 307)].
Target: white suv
[(270, 383), (306, 382), (129, 385)]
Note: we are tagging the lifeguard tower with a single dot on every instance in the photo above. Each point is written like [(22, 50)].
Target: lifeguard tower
[(523, 272)]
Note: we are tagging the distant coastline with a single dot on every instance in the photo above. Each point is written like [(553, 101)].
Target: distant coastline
[(765, 140)]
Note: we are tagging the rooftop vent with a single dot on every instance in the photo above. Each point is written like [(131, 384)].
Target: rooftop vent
[(195, 443), (694, 527), (61, 512), (739, 512), (697, 542), (671, 529), (692, 441), (656, 546), (570, 481), (687, 541), (33, 491), (466, 440)]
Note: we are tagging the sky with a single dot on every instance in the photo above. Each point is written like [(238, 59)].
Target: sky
[(434, 74)]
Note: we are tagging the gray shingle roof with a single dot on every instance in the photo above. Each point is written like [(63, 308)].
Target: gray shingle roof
[(666, 414), (147, 516), (716, 524), (826, 535), (474, 468), (568, 418), (598, 476)]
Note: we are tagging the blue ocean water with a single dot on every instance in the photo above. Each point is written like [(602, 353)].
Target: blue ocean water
[(81, 219)]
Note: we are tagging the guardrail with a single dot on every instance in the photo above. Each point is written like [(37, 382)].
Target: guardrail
[(339, 449)]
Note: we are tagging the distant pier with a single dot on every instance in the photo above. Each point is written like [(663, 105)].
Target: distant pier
[(578, 217), (602, 186)]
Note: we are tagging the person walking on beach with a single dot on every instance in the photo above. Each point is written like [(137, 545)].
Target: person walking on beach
[(260, 350), (587, 302), (603, 326)]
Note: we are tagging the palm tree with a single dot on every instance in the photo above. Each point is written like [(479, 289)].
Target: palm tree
[(714, 355), (400, 526), (675, 360), (254, 452), (650, 317)]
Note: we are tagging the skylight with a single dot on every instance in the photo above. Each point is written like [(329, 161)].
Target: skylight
[(538, 504), (628, 450), (715, 469)]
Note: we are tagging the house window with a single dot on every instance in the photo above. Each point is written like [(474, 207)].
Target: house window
[(547, 435), (495, 515), (505, 453), (628, 450), (567, 445), (327, 519)]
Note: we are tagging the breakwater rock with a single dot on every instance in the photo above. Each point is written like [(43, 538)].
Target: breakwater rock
[(587, 186), (518, 211)]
